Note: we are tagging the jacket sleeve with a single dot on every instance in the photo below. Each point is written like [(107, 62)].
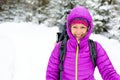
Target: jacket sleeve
[(105, 66), (52, 72)]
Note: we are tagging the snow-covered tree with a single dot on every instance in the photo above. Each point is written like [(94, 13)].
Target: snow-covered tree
[(106, 17), (53, 12), (102, 14), (58, 10)]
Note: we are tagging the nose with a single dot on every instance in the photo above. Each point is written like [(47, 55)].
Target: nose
[(79, 31)]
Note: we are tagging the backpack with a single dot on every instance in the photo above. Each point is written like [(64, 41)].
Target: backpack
[(63, 37)]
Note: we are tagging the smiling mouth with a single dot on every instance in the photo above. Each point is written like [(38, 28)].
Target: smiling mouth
[(78, 36)]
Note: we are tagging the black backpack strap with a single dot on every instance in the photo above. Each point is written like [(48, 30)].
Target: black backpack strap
[(62, 55), (62, 35), (93, 52)]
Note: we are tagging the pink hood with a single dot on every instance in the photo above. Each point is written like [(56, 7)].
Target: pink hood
[(79, 12)]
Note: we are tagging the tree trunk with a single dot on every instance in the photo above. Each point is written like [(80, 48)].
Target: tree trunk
[(1, 3), (110, 2)]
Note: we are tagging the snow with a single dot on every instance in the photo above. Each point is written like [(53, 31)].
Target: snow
[(26, 47)]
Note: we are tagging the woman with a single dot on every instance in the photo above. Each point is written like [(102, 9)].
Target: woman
[(77, 63)]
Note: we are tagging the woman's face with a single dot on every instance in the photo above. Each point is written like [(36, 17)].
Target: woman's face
[(79, 30)]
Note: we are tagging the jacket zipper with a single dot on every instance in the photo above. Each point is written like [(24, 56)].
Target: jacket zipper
[(76, 62)]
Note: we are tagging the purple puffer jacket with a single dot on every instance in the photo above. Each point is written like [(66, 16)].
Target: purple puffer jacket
[(80, 67)]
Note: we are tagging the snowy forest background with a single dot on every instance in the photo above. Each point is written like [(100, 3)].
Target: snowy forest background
[(28, 32), (106, 13)]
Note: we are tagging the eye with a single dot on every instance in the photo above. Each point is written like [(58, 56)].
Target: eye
[(83, 27), (74, 26)]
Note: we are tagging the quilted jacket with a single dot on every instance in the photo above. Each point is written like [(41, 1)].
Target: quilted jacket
[(77, 64)]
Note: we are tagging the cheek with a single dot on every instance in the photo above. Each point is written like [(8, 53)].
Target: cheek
[(72, 31), (84, 32)]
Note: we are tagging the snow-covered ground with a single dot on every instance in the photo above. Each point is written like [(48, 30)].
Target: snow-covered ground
[(25, 49)]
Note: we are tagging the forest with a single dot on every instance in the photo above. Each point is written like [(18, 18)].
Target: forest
[(53, 13)]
